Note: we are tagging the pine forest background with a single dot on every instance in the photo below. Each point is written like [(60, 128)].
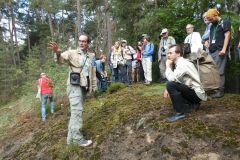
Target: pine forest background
[(28, 25)]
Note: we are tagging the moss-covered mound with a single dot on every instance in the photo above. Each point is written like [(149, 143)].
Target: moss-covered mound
[(130, 124)]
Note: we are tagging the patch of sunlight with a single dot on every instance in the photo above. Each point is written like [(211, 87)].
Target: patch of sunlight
[(153, 90)]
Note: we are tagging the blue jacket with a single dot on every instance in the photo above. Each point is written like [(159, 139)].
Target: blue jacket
[(147, 51)]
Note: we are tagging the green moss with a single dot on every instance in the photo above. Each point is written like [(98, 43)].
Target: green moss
[(165, 149), (155, 90), (116, 109), (231, 142), (102, 116), (199, 129), (115, 87)]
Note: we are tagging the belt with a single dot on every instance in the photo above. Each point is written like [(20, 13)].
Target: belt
[(163, 55)]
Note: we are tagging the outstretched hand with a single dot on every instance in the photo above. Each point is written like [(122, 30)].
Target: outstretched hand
[(54, 47)]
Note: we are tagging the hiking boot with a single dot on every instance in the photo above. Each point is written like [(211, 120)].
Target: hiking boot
[(217, 94), (85, 143), (176, 117)]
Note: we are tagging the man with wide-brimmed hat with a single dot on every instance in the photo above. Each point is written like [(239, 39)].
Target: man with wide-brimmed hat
[(165, 42)]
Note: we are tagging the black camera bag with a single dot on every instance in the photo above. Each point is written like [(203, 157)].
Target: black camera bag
[(187, 48), (75, 78)]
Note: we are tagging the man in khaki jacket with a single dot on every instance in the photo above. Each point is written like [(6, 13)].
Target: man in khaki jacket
[(80, 63), (165, 42)]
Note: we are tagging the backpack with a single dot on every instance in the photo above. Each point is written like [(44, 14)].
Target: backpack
[(207, 69)]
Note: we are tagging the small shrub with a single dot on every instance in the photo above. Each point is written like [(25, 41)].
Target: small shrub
[(115, 87)]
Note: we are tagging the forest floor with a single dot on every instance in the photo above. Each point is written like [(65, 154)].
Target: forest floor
[(125, 125)]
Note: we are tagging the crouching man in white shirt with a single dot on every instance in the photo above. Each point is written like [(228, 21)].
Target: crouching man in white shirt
[(183, 86)]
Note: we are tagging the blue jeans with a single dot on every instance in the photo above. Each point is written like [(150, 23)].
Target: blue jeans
[(119, 73), (102, 84), (44, 98)]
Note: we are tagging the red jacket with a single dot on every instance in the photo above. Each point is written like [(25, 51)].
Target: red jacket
[(46, 85), (139, 56)]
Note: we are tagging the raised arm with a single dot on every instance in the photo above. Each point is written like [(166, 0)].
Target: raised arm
[(55, 48)]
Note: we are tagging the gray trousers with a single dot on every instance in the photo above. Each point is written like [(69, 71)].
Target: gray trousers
[(221, 64), (76, 96), (162, 66)]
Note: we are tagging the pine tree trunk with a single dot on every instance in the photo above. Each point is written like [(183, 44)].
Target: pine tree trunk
[(108, 30), (50, 24), (99, 31), (78, 22), (15, 36), (28, 40), (156, 3), (1, 29), (11, 41), (63, 27)]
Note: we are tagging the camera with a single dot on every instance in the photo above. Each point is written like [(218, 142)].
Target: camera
[(75, 78), (163, 49)]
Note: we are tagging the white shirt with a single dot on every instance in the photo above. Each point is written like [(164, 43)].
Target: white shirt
[(195, 41), (186, 73)]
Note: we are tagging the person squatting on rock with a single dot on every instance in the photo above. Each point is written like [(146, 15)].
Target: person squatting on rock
[(165, 42), (183, 86), (81, 79), (45, 85), (220, 34)]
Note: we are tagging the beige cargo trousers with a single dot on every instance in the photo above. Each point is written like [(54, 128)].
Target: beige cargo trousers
[(77, 97)]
